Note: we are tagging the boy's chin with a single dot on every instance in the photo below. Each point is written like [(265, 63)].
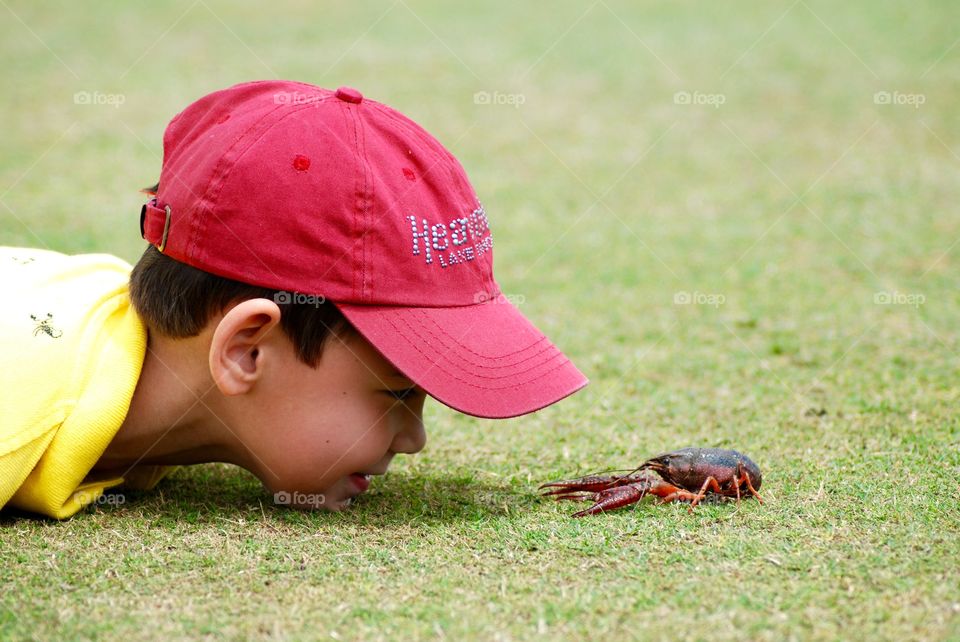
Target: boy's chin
[(341, 495), (336, 498), (336, 505)]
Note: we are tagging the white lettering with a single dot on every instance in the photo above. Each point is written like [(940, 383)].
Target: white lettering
[(420, 235), (478, 222), (469, 238), (459, 227), (439, 231)]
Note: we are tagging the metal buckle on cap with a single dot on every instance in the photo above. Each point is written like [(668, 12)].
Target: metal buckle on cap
[(166, 223), (166, 229)]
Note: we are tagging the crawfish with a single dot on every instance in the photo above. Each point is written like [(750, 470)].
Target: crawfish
[(687, 475)]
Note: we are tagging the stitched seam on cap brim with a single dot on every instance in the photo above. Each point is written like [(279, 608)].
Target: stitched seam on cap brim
[(514, 384), (438, 365), (547, 349), (459, 345)]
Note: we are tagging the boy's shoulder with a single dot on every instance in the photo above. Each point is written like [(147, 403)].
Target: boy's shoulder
[(28, 261), (72, 351)]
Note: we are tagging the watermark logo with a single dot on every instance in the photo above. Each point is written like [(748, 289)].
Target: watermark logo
[(914, 299), (498, 98), (899, 98), (499, 298), (295, 98), (714, 299), (298, 298), (99, 98), (699, 98), (299, 500), (85, 497)]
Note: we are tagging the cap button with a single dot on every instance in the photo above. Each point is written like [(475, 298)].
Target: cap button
[(349, 94)]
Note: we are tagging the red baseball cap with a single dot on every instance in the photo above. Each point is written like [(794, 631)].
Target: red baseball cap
[(293, 187)]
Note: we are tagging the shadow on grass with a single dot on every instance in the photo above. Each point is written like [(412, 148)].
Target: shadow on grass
[(215, 493), (402, 499)]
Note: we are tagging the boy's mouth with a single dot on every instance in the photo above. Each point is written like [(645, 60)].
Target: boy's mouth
[(361, 481)]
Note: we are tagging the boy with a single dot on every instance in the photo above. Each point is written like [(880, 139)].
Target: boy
[(317, 265)]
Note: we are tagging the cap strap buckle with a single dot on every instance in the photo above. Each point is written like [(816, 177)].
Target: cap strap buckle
[(149, 221), (166, 230)]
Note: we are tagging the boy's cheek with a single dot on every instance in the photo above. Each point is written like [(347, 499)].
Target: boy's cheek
[(320, 459), (325, 470), (307, 465)]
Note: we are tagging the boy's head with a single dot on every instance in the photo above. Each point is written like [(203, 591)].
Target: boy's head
[(346, 226), (312, 407)]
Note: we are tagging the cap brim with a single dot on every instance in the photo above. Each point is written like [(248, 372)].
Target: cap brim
[(485, 360)]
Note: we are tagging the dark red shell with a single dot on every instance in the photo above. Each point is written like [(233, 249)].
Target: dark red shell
[(688, 468)]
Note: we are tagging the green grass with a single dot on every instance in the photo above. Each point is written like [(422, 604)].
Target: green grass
[(607, 199)]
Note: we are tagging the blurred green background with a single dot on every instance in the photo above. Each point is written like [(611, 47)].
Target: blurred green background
[(739, 219)]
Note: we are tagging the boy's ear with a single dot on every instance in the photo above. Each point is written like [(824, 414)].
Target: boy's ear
[(236, 349)]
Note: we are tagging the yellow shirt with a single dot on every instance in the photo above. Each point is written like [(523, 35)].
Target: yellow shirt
[(72, 348)]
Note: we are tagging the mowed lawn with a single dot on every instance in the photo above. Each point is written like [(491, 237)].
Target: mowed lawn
[(739, 219)]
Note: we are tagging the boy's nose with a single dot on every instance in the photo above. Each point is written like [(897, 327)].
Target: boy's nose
[(411, 439)]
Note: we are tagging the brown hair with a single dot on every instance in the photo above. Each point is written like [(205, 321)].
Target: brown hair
[(177, 300)]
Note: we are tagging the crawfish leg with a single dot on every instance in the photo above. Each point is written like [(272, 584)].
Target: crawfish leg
[(712, 484), (745, 477), (667, 492), (670, 493), (616, 497)]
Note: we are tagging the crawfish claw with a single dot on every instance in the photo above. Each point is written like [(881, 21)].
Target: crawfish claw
[(591, 483), (616, 497)]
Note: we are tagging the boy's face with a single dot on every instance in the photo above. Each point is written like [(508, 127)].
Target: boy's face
[(312, 435)]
